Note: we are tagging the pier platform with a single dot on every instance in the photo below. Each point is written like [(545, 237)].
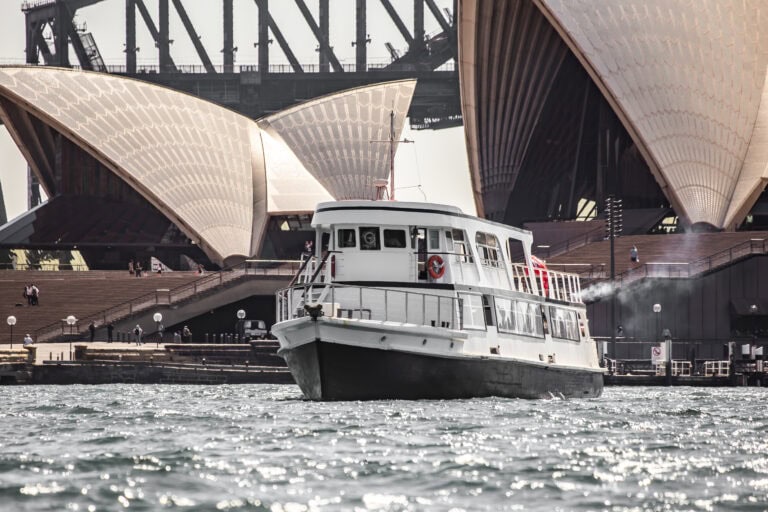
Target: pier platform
[(149, 363)]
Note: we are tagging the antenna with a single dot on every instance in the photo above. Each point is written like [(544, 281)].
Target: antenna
[(392, 143)]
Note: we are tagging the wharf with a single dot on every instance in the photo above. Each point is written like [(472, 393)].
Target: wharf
[(705, 373), (105, 363)]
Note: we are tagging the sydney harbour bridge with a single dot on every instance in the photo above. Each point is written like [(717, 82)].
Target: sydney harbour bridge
[(56, 30)]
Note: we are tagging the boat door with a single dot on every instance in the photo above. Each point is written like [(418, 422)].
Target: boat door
[(419, 242), (427, 243)]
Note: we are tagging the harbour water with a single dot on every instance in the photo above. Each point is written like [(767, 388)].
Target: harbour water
[(262, 447)]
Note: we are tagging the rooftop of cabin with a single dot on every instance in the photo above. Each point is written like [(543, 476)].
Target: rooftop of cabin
[(409, 206)]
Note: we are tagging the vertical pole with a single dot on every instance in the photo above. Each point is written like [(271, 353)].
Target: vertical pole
[(263, 36), (610, 219), (164, 39), (229, 56), (361, 41), (130, 36), (392, 155), (324, 37)]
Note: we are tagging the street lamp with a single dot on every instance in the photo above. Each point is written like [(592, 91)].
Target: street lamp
[(71, 321), (240, 317), (657, 310), (158, 317), (11, 323)]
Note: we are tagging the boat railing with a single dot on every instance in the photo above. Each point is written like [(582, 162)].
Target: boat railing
[(313, 269), (548, 283), (368, 303)]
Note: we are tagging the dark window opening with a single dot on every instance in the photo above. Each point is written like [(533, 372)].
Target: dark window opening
[(369, 239), (347, 238), (394, 238)]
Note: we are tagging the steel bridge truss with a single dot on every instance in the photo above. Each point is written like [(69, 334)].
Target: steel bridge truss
[(256, 90)]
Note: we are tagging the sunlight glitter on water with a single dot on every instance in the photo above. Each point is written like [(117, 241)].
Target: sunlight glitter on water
[(264, 448)]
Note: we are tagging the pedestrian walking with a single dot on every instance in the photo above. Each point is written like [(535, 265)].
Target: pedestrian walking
[(633, 256), (92, 330), (35, 291), (186, 335), (28, 340), (137, 332), (110, 331)]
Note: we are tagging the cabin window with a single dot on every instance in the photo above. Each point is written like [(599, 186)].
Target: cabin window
[(434, 240), (564, 324), (515, 250), (488, 309), (472, 316), (460, 248), (488, 249), (394, 238), (518, 317), (369, 239), (347, 238)]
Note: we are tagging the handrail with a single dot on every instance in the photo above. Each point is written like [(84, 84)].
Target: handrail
[(301, 270), (148, 300), (572, 243), (359, 302), (696, 267)]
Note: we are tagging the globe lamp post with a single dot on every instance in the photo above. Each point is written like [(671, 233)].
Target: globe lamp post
[(158, 317), (240, 329), (11, 322), (71, 321)]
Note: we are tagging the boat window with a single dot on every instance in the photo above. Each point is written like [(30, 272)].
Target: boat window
[(472, 316), (434, 240), (519, 317), (347, 238), (369, 239), (488, 309), (488, 249), (564, 324), (515, 250), (394, 238), (463, 255), (324, 240)]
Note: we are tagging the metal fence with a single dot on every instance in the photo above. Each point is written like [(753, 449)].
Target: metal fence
[(166, 297)]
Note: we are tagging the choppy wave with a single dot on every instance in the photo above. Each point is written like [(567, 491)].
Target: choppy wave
[(263, 447)]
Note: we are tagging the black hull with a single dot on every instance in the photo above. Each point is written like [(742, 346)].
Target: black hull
[(332, 371)]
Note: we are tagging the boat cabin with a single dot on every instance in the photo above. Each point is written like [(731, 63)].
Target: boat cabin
[(383, 242)]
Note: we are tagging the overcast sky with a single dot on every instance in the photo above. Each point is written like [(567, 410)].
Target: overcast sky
[(435, 166)]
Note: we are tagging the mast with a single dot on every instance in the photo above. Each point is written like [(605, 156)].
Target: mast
[(391, 155), (392, 143)]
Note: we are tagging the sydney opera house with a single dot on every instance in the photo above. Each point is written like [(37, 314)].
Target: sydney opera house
[(137, 170), (661, 103), (565, 102)]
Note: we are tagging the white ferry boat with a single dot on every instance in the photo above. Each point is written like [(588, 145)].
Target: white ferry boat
[(408, 300)]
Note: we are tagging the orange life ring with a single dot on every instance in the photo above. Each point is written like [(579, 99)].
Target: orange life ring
[(435, 266)]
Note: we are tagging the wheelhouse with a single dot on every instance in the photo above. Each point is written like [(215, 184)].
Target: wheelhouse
[(395, 242)]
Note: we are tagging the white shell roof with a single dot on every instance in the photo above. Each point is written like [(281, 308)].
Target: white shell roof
[(212, 171), (687, 80), (188, 157), (340, 138)]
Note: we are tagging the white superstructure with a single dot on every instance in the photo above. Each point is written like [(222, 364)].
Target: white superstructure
[(428, 281)]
